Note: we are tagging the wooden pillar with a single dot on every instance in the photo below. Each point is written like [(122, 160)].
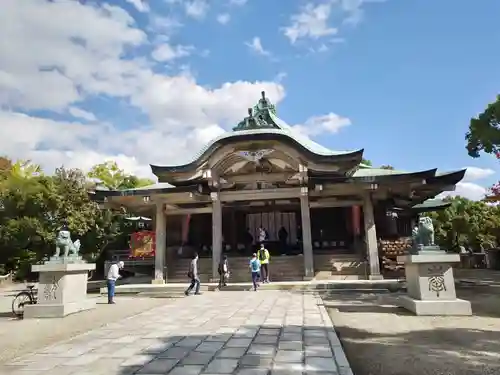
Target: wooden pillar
[(161, 244), (306, 234), (371, 238), (216, 233)]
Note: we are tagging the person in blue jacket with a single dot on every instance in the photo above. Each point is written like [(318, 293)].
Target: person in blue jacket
[(255, 268)]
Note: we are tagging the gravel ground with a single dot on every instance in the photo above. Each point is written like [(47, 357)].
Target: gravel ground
[(382, 339), (19, 337)]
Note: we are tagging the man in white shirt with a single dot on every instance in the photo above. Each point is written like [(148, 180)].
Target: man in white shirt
[(113, 275)]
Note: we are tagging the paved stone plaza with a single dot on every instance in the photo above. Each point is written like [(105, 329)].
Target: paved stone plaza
[(246, 333)]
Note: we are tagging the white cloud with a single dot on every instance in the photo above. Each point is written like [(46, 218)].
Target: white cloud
[(196, 8), (223, 18), (314, 21), (179, 102), (354, 11), (311, 22), (163, 25), (468, 190), (166, 52), (280, 77), (475, 173), (80, 113), (184, 117), (256, 46), (140, 5), (330, 123), (72, 51), (55, 53)]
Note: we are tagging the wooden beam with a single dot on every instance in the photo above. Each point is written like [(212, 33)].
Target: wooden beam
[(333, 203), (264, 194), (259, 177), (189, 211)]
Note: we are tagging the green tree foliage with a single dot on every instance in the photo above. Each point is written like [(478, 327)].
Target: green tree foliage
[(467, 223), (484, 131), (366, 162), (114, 178), (33, 207)]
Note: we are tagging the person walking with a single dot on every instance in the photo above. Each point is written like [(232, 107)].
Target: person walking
[(193, 275), (223, 271), (113, 275), (263, 256), (255, 269)]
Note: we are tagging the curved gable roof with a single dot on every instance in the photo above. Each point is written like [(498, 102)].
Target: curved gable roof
[(274, 129)]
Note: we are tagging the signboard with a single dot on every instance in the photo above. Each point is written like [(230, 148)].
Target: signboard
[(142, 244)]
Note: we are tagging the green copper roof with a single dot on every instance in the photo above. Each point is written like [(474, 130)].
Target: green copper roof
[(431, 205), (262, 119)]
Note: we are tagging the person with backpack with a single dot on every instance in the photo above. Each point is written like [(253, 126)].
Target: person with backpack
[(255, 269), (193, 275), (263, 257)]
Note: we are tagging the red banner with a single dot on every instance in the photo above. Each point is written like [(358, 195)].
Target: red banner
[(142, 244)]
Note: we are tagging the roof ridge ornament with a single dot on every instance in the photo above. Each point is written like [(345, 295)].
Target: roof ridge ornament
[(259, 116), (264, 104)]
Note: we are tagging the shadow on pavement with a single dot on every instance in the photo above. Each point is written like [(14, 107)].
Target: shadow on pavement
[(438, 351), (484, 299), (251, 350)]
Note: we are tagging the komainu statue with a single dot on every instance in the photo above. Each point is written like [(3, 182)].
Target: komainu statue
[(63, 241), (423, 234)]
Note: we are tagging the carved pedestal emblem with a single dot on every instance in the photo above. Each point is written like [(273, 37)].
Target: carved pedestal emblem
[(49, 290), (436, 279)]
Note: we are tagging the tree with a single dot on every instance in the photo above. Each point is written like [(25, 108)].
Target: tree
[(390, 167), (114, 178), (467, 223), (22, 221), (484, 131), (34, 209), (366, 162), (25, 169)]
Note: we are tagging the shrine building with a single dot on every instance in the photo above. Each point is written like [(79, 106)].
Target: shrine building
[(325, 213)]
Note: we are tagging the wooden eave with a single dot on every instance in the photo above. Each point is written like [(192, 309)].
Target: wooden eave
[(447, 179), (101, 194), (281, 137)]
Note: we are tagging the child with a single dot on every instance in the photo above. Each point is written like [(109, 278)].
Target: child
[(223, 271), (255, 268)]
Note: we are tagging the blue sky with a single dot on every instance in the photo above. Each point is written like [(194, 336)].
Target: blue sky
[(152, 81)]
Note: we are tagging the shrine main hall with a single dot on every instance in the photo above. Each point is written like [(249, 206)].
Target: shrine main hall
[(326, 214)]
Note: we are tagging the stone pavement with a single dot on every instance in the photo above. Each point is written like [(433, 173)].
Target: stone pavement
[(244, 333)]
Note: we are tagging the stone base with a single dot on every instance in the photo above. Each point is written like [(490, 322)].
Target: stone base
[(457, 307), (62, 289), (57, 310)]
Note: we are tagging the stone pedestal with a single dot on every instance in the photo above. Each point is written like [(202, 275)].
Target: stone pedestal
[(62, 290), (431, 285)]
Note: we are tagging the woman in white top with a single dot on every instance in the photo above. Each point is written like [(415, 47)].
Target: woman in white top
[(113, 275)]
